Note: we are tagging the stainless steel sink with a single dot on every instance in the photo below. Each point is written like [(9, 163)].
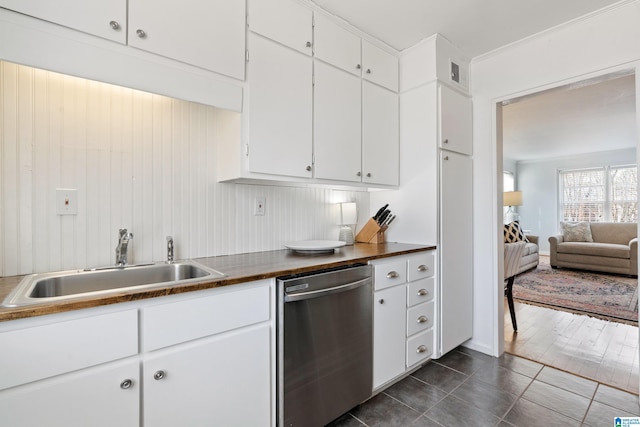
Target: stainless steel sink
[(65, 285)]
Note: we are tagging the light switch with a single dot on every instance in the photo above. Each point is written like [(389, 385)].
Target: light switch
[(66, 201)]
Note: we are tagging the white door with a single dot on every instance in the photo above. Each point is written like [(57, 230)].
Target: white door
[(337, 124), (380, 135), (389, 334), (99, 397), (456, 249), (219, 381), (208, 34), (280, 110)]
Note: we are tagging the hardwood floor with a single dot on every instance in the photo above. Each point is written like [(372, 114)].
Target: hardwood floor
[(596, 349)]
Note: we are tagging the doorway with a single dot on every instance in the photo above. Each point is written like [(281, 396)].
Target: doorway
[(582, 124)]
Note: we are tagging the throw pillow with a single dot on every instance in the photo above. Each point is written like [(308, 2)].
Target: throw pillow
[(513, 233), (576, 232)]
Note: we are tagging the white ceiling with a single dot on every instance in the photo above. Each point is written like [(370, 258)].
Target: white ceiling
[(593, 116), (474, 26)]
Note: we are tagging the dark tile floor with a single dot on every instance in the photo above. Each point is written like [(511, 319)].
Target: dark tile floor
[(467, 388)]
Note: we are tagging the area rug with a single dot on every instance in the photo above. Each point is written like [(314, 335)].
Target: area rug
[(606, 296)]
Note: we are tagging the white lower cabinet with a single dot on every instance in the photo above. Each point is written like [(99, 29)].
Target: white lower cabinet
[(104, 396), (219, 381), (403, 315)]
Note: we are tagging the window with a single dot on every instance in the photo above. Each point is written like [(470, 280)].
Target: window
[(606, 194)]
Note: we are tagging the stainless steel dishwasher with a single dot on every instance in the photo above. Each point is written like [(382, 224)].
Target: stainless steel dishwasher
[(325, 344)]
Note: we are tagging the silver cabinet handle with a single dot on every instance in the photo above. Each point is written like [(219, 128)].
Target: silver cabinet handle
[(423, 267), (308, 168), (359, 174), (159, 375), (381, 301), (141, 34), (125, 384), (115, 25), (368, 70), (392, 275), (358, 66), (369, 175), (446, 157), (308, 44), (422, 292), (446, 141), (421, 349), (422, 319)]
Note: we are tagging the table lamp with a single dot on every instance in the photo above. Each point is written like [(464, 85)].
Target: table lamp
[(348, 217)]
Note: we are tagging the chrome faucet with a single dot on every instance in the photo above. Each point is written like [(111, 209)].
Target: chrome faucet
[(169, 250), (121, 250)]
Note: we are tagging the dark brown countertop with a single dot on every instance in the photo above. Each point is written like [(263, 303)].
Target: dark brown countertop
[(237, 268)]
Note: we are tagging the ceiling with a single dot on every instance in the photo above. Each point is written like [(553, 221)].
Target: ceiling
[(588, 117), (474, 26)]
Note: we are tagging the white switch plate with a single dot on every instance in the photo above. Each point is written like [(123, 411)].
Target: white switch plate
[(259, 206), (66, 201)]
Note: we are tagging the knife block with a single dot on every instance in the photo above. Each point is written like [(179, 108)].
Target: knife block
[(371, 233)]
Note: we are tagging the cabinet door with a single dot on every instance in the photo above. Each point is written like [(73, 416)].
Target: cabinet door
[(379, 66), (455, 121), (218, 381), (456, 249), (337, 129), (336, 45), (280, 98), (380, 135), (284, 21), (91, 397), (208, 34), (102, 18), (389, 314)]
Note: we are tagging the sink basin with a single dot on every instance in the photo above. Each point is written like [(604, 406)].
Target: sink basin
[(64, 285)]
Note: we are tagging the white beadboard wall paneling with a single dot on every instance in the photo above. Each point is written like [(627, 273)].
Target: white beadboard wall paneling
[(139, 161)]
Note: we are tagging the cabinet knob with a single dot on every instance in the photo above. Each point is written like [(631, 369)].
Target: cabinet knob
[(446, 157), (358, 66), (308, 168), (392, 275), (125, 384), (381, 301), (422, 319), (115, 25), (369, 175), (308, 44), (422, 292), (141, 34), (423, 268), (368, 71), (421, 349), (446, 141), (359, 174), (159, 375)]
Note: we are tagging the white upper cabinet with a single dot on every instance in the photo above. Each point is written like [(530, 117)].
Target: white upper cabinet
[(280, 110), (102, 18), (284, 21), (379, 67), (380, 135), (207, 34), (456, 121), (337, 130), (336, 45)]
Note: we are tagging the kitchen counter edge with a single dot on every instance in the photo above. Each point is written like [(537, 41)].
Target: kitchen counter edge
[(239, 268)]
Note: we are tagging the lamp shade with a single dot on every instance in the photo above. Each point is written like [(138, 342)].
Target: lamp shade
[(512, 198), (348, 213)]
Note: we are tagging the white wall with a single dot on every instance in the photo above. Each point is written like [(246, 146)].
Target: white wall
[(140, 161), (585, 47), (538, 180)]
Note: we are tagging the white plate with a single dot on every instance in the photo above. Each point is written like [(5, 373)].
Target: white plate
[(314, 246)]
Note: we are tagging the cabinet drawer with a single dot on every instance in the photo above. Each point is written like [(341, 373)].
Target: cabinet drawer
[(419, 347), (390, 274), (421, 266), (420, 291), (214, 312), (39, 352), (419, 318)]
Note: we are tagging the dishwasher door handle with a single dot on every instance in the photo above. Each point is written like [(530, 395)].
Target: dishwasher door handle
[(322, 292)]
